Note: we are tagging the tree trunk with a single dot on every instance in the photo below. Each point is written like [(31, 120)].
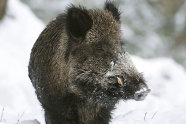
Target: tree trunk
[(3, 4)]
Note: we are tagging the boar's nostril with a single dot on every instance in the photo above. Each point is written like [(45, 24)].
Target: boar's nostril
[(141, 94)]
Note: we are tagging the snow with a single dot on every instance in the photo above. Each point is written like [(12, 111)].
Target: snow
[(18, 103), (143, 89), (18, 31)]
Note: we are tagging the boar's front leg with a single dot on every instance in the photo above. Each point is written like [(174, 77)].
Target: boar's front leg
[(64, 111), (91, 113)]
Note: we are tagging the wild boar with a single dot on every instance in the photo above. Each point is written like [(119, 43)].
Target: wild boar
[(79, 69)]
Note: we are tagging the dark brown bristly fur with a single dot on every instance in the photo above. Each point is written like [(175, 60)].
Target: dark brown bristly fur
[(75, 63)]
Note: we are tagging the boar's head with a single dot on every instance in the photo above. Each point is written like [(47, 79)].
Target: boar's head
[(98, 67)]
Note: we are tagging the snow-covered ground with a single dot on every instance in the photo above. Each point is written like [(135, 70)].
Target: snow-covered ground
[(18, 31), (18, 103)]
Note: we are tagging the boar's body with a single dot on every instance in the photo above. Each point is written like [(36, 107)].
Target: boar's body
[(79, 70)]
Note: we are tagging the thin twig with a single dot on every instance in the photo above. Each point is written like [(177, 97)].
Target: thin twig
[(2, 115), (153, 115), (145, 116), (20, 117)]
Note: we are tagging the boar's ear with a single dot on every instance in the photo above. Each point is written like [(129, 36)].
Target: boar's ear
[(113, 9), (78, 21)]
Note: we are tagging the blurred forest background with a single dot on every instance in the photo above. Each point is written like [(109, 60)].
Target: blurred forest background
[(151, 28)]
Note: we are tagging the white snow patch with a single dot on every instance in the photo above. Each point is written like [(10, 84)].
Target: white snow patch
[(143, 89), (112, 64)]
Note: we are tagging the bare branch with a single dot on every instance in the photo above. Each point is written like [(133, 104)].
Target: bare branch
[(2, 115), (145, 116), (153, 115), (20, 117)]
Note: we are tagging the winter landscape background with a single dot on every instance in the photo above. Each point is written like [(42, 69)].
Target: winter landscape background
[(155, 35)]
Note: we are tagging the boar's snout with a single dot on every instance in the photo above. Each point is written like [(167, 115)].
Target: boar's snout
[(142, 93), (129, 89)]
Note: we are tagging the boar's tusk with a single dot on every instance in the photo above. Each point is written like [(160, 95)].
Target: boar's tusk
[(120, 80)]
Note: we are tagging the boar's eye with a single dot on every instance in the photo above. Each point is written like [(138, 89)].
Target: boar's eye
[(100, 48)]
